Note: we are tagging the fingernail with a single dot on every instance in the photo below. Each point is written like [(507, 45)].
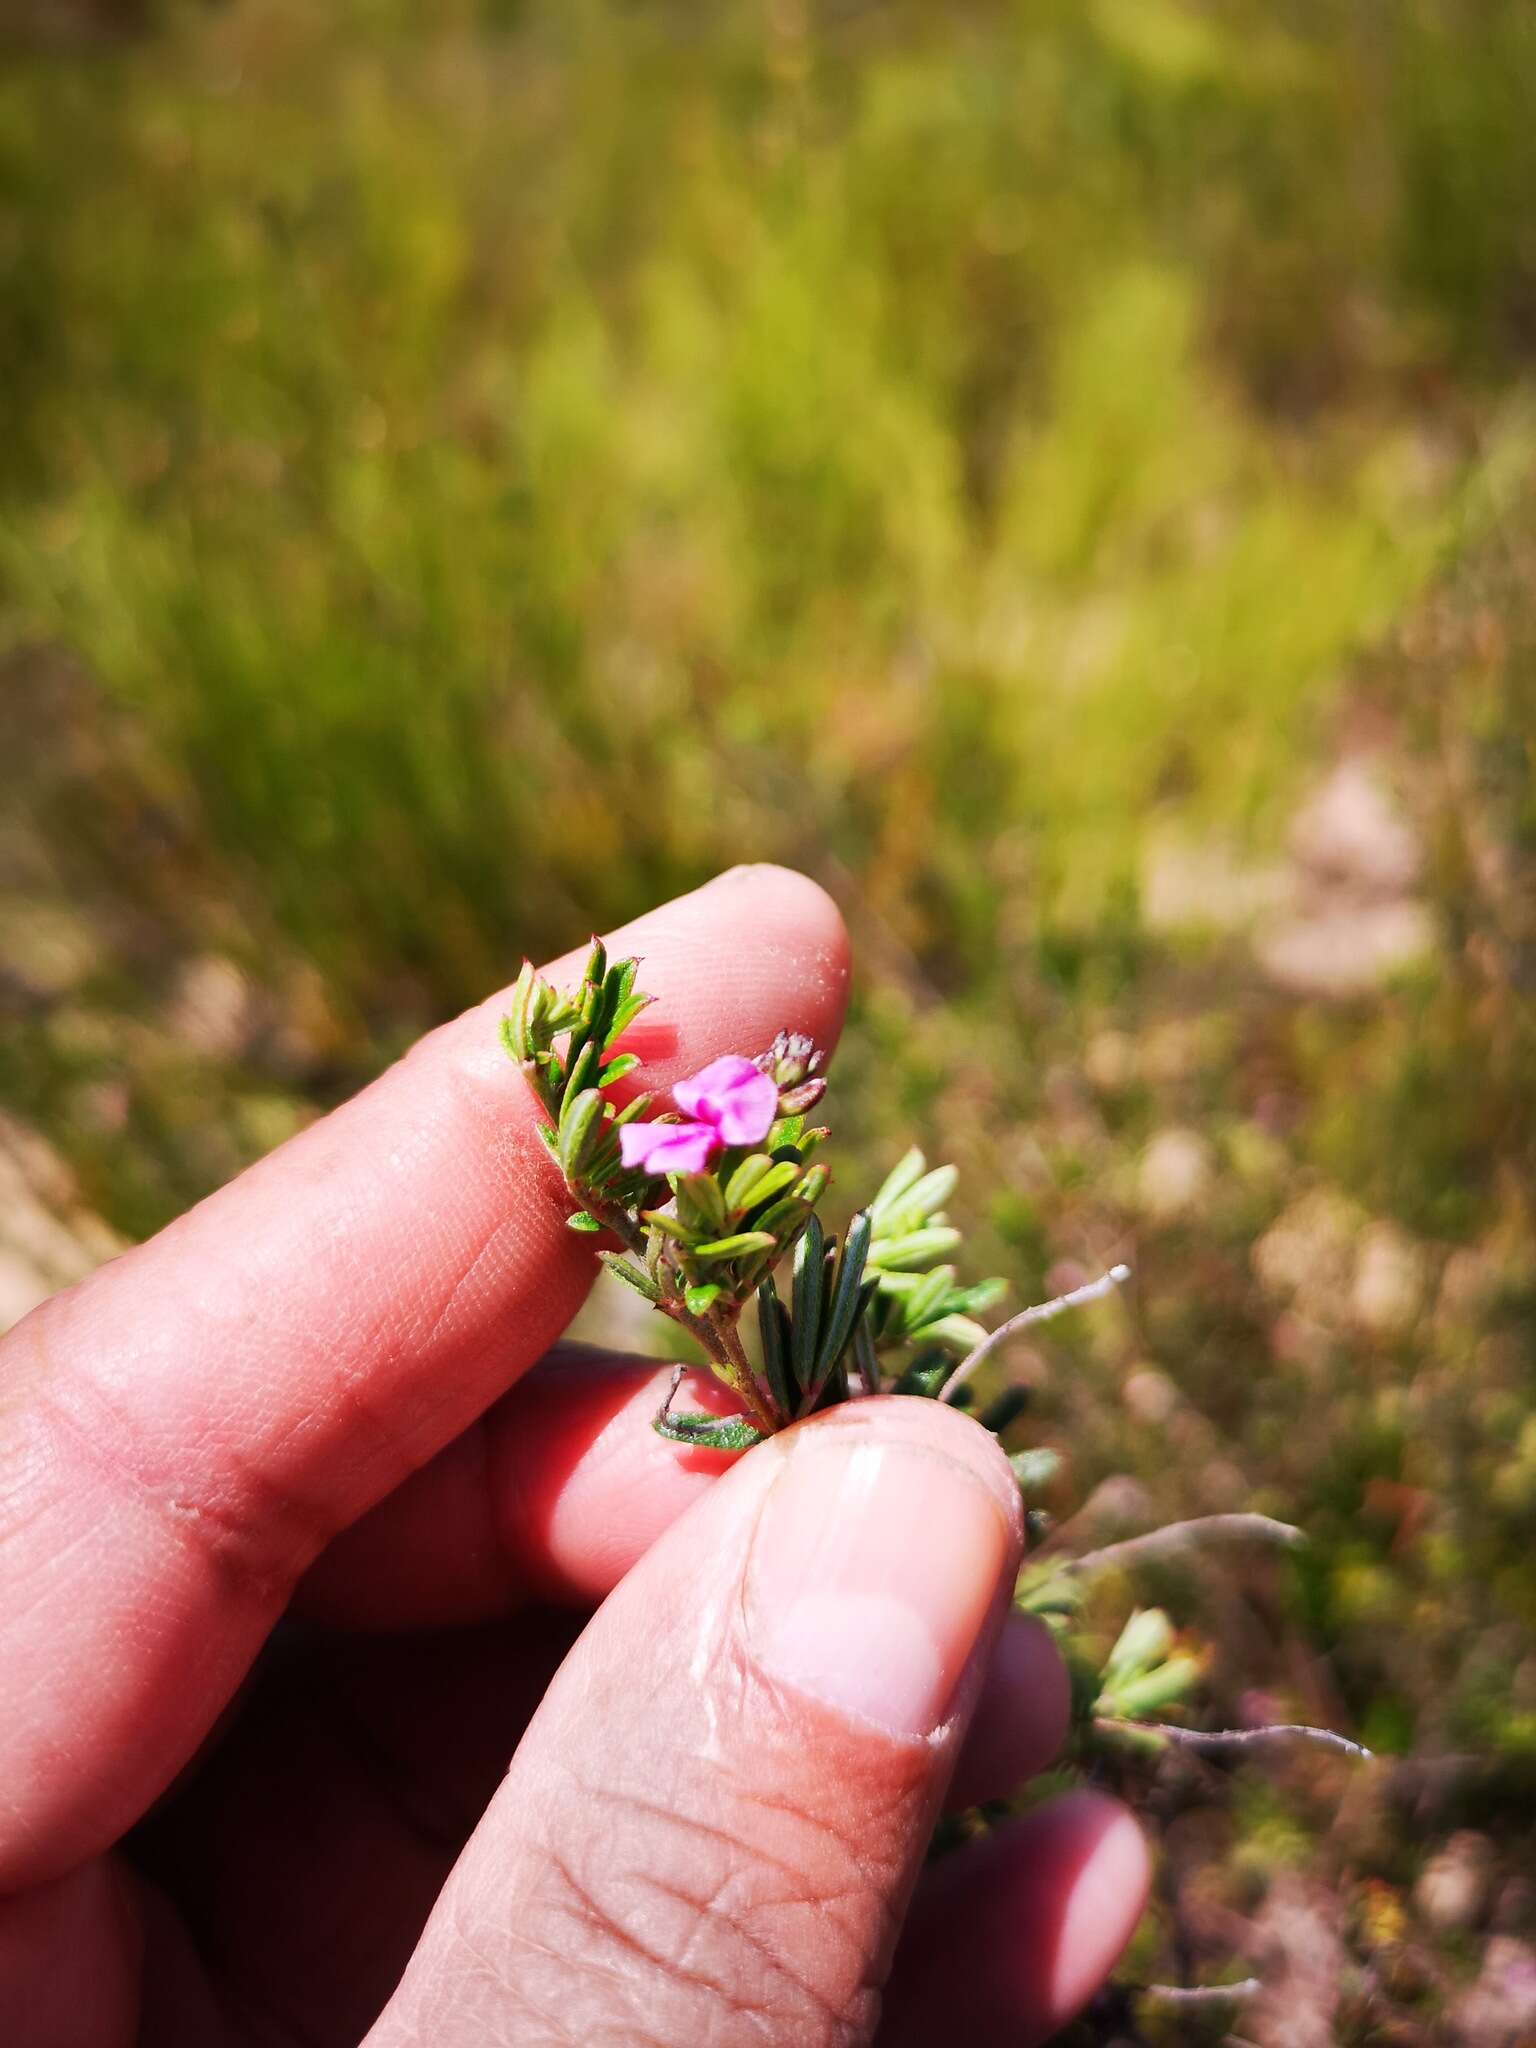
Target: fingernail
[(873, 1570)]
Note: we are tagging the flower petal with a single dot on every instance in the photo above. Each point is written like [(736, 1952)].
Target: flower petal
[(733, 1095), (668, 1148)]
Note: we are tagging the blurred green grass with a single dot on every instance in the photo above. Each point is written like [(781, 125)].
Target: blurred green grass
[(472, 472)]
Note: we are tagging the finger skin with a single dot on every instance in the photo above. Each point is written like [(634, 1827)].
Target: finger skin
[(701, 1838), (1012, 1935), (1021, 1715), (552, 1495), (560, 1489), (183, 1432)]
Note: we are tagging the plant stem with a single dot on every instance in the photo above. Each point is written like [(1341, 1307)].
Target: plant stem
[(1184, 1535), (1235, 1738), (1042, 1312), (715, 1335)]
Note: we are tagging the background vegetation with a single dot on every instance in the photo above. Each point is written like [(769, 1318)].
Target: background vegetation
[(1060, 472)]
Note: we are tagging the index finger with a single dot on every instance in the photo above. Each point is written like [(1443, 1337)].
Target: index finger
[(184, 1431)]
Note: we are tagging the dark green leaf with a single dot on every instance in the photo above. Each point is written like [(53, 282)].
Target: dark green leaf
[(864, 1355), (926, 1374), (773, 1329), (806, 1323), (1004, 1408), (843, 1309)]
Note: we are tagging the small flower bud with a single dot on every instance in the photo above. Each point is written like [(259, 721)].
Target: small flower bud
[(790, 1059), (803, 1096)]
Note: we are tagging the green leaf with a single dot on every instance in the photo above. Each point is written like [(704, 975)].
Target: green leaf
[(904, 1174), (927, 1299), (577, 1118), (581, 1070), (773, 1182), (956, 1333), (669, 1226), (623, 1063), (773, 1329), (702, 1299), (632, 1111), (625, 1015), (916, 1249), (699, 1200), (970, 1301), (515, 1025), (597, 963), (582, 1221), (1035, 1467), (734, 1247), (786, 1132), (786, 1218), (636, 1278), (709, 1432), (926, 1374), (740, 1188), (1164, 1687), (920, 1201), (805, 1327)]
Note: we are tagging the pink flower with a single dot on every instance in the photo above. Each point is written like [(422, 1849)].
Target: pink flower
[(729, 1102)]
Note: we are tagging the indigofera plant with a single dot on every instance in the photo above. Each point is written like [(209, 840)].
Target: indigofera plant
[(714, 1203)]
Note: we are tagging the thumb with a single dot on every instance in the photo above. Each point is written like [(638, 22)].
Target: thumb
[(712, 1826)]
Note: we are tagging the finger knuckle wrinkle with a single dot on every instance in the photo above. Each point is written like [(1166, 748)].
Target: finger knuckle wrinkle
[(256, 1536), (741, 1944)]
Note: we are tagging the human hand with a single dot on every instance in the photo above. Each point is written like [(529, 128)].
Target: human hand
[(295, 1403)]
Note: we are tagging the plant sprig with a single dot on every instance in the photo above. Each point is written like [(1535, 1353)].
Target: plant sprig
[(714, 1205)]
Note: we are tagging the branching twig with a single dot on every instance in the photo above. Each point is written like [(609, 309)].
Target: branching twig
[(672, 1386), (1177, 1995), (1042, 1312), (1241, 1738), (1177, 1535)]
